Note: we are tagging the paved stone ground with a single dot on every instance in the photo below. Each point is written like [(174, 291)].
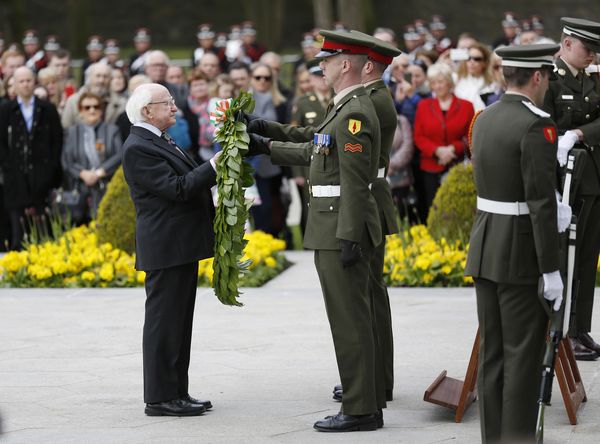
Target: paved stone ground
[(71, 368)]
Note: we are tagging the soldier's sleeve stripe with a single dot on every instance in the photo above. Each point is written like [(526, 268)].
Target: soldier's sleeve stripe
[(550, 133), (354, 125), (353, 147)]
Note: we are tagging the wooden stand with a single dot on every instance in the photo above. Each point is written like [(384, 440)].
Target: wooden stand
[(569, 380), (454, 393), (458, 395)]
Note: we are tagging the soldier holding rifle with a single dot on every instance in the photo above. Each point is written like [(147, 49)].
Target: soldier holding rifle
[(573, 101), (515, 239)]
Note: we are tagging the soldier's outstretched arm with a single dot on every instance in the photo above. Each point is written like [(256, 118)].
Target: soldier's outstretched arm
[(279, 131)]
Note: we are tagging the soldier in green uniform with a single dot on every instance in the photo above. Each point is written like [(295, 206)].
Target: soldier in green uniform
[(514, 240), (573, 101), (343, 225), (309, 110), (381, 55)]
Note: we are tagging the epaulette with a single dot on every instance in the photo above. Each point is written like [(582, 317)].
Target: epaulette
[(470, 133), (534, 109)]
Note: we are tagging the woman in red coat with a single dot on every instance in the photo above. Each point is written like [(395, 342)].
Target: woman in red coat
[(440, 131)]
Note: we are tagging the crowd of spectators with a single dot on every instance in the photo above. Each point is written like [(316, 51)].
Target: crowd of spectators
[(61, 137)]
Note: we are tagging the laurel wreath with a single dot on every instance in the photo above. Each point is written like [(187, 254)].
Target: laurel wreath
[(233, 175)]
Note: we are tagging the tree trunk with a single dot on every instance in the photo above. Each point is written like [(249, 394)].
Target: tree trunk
[(351, 14), (323, 14)]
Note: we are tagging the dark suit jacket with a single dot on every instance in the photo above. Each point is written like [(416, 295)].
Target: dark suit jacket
[(30, 161), (173, 204)]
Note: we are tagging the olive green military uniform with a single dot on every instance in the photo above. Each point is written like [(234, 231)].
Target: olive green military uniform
[(308, 111), (507, 255), (386, 114), (575, 103), (341, 171)]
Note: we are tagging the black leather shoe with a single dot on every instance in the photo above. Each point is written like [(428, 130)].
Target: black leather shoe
[(177, 407), (207, 404), (347, 423), (337, 395), (379, 418), (337, 388), (389, 395), (587, 341), (581, 352)]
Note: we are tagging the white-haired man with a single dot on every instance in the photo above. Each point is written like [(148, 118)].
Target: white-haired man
[(174, 215), (97, 81)]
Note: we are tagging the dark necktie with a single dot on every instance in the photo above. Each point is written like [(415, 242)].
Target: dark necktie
[(330, 106), (171, 142)]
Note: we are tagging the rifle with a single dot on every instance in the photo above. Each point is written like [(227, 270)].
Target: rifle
[(559, 320)]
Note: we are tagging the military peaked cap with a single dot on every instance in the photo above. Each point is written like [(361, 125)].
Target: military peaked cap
[(585, 30), (528, 56)]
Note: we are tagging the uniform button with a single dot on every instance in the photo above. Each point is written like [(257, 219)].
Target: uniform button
[(331, 208), (587, 99), (587, 116)]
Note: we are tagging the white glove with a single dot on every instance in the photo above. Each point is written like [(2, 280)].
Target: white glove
[(553, 288), (565, 143), (564, 213)]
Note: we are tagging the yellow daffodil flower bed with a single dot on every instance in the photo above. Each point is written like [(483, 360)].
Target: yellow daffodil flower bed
[(414, 259), (77, 260)]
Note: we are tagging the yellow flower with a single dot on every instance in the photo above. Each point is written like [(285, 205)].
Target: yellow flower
[(107, 272), (141, 277), (270, 262), (88, 276)]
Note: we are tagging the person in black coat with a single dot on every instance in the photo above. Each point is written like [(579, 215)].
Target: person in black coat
[(30, 150), (174, 230)]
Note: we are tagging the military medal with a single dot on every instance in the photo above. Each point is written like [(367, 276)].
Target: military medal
[(322, 143)]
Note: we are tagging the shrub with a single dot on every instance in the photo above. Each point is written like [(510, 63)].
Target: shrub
[(453, 210), (116, 215)]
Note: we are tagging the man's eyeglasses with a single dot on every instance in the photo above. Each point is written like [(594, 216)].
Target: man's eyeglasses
[(265, 78), (476, 58), (170, 102), (90, 107)]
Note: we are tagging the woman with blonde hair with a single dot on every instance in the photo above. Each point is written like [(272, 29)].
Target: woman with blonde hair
[(440, 131), (475, 77)]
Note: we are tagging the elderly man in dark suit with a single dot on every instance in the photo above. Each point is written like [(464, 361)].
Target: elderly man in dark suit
[(174, 215)]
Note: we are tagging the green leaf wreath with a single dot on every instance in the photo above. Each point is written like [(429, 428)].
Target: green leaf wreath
[(233, 175)]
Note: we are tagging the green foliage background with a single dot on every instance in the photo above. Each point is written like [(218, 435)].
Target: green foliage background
[(116, 215), (453, 210)]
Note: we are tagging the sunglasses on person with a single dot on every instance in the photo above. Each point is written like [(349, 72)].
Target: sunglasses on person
[(476, 58), (90, 107), (265, 78)]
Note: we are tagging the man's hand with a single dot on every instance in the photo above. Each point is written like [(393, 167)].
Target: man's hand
[(350, 253), (565, 143), (257, 125), (89, 177), (553, 288), (258, 145)]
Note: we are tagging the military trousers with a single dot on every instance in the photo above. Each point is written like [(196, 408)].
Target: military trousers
[(512, 325), (586, 262), (383, 317), (348, 303)]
